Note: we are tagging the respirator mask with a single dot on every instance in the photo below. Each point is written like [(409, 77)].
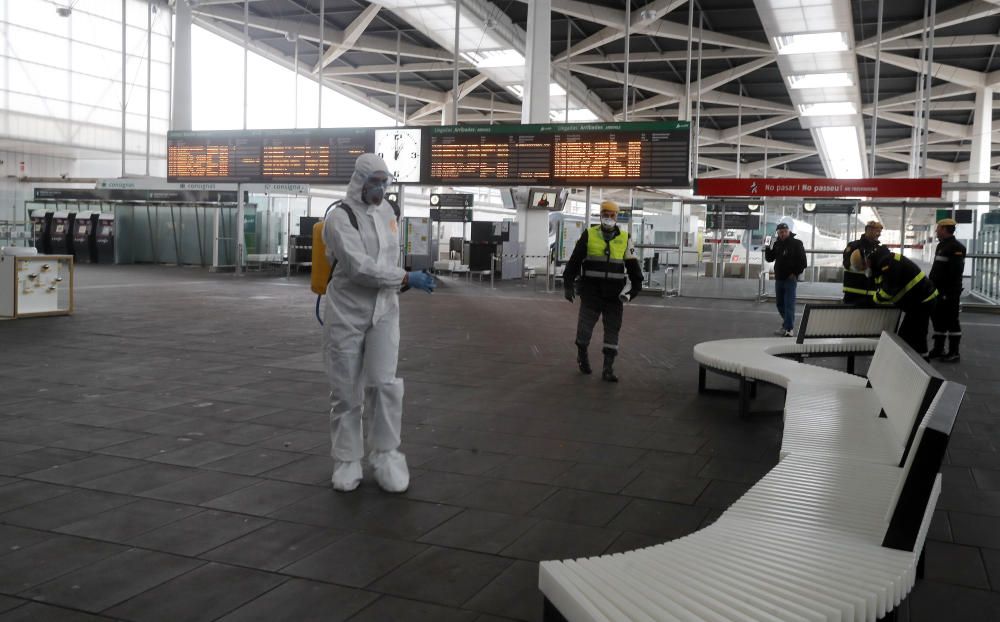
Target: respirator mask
[(374, 188), (608, 223)]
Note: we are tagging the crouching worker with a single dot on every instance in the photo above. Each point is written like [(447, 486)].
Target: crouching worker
[(361, 329), (604, 259), (901, 283)]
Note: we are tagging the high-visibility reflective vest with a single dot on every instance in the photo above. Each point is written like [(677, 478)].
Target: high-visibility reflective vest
[(901, 282), (605, 258)]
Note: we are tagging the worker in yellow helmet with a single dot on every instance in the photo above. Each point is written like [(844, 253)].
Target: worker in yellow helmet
[(946, 274), (604, 259)]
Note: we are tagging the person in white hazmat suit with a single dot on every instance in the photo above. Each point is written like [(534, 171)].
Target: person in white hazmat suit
[(361, 330)]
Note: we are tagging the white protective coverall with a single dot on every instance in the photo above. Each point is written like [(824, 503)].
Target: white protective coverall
[(361, 335)]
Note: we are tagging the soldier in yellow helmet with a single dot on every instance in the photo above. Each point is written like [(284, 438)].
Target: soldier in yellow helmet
[(946, 274), (858, 288), (604, 259)]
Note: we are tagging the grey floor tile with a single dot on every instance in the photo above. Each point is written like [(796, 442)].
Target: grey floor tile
[(262, 498), (597, 478), (198, 453), (506, 496), (479, 531), (275, 546), (555, 540), (303, 601), (83, 470), (254, 462), (14, 538), (392, 608), (355, 561), (199, 533), (396, 517), (664, 488), (96, 438), (581, 506), (20, 494), (65, 509), (957, 564), (147, 447), (439, 487), (514, 594), (9, 602), (308, 470), (47, 560), (203, 594), (527, 469), (140, 479), (466, 462), (200, 488), (933, 602), (660, 519), (37, 612), (443, 576), (124, 523), (975, 530), (112, 580)]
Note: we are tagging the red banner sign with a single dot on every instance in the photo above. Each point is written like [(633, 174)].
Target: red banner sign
[(780, 187)]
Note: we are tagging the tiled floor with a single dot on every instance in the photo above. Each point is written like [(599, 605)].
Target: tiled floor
[(163, 455)]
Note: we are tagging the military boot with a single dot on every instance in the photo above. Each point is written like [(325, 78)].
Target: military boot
[(582, 359), (608, 374), (938, 350), (953, 356)]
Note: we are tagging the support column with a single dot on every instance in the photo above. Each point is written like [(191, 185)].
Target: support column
[(534, 224), (979, 158), (538, 60), (182, 67)]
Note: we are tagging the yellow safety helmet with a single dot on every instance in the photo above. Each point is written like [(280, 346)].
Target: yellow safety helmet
[(947, 222), (609, 206)]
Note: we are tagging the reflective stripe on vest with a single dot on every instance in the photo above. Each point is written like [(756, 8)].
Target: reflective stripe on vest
[(883, 298), (605, 258)]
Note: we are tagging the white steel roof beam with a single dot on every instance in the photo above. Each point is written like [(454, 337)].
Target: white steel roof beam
[(954, 41), (463, 89), (677, 55), (310, 32), (948, 73), (369, 70), (968, 12), (350, 36), (941, 127)]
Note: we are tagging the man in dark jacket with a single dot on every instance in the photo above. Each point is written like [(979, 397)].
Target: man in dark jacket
[(902, 283), (609, 271), (946, 274), (857, 285), (789, 257)]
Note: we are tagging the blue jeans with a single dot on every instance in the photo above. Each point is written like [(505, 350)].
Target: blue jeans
[(784, 294)]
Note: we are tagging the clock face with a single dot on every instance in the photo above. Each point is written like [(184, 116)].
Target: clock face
[(400, 148)]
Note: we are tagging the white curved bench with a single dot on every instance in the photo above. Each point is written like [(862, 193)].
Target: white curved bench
[(818, 538), (825, 330)]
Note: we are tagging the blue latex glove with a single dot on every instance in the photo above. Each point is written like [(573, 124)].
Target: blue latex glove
[(422, 281)]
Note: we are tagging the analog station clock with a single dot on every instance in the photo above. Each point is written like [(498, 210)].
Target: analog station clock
[(400, 148)]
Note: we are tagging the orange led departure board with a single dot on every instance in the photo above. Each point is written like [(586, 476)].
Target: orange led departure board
[(608, 154), (580, 154), (321, 156)]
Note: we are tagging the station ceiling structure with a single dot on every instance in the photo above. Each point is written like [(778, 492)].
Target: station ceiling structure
[(792, 80)]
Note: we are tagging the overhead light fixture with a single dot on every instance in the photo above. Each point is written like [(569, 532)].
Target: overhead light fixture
[(486, 59), (820, 80), (811, 43), (827, 109), (842, 150), (809, 207)]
